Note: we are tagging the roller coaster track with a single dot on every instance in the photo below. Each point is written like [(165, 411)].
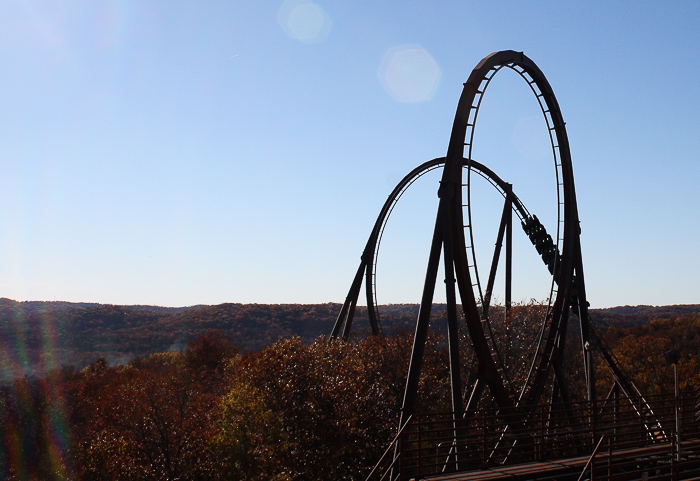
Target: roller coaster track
[(453, 242)]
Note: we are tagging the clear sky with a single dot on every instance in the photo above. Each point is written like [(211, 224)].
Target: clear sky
[(182, 152)]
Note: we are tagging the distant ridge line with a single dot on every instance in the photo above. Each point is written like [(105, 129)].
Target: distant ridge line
[(82, 332)]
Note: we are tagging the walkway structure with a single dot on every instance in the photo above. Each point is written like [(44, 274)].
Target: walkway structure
[(542, 404)]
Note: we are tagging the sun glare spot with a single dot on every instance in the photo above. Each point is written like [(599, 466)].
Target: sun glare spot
[(530, 138), (409, 74), (304, 21)]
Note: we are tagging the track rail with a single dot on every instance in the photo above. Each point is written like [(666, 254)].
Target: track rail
[(453, 244)]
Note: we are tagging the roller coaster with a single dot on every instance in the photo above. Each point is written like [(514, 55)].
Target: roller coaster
[(495, 422)]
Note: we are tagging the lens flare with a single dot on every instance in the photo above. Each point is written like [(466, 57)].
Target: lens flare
[(409, 74), (530, 138), (304, 21), (35, 415), (15, 351)]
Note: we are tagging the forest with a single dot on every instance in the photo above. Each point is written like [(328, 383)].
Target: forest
[(250, 392)]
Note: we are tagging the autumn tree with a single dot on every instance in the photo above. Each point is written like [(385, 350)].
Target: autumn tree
[(326, 411), (154, 418)]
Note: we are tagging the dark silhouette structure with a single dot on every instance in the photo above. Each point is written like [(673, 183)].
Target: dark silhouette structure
[(520, 423)]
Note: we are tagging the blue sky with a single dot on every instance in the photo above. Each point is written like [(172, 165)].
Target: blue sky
[(180, 152)]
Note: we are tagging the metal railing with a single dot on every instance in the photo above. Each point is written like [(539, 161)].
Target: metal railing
[(441, 443)]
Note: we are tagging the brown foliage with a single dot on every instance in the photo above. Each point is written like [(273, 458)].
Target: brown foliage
[(154, 418), (293, 411), (325, 411), (640, 350)]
